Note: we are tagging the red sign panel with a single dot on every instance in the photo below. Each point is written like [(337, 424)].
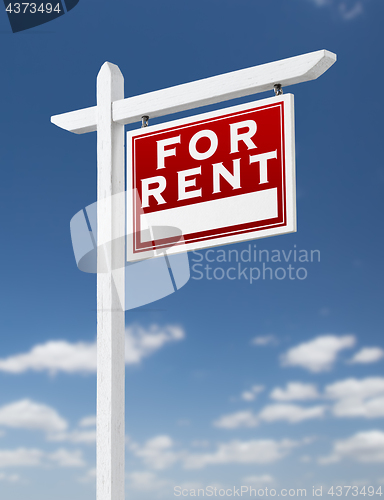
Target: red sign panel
[(218, 178)]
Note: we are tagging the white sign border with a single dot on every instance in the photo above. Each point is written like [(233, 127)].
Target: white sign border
[(290, 178)]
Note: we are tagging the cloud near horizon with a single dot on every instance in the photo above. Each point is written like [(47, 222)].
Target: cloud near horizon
[(290, 413), (81, 357), (363, 447), (160, 453), (33, 457), (349, 398)]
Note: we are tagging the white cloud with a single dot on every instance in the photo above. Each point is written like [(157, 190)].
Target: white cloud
[(157, 452), (264, 340), (66, 458), (160, 453), (325, 311), (11, 478), (252, 393), (89, 476), (27, 414), (32, 457), (364, 447), (321, 3), (317, 355), (183, 422), (146, 481), (290, 412), (357, 398), (352, 387), (347, 9), (21, 457), (263, 451), (140, 343), (368, 355), (258, 480), (295, 391), (76, 436), (248, 396), (82, 435), (89, 421), (200, 444), (236, 420), (350, 12), (54, 356), (80, 357)]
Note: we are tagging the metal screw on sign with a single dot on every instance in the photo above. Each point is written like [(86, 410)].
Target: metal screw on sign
[(144, 121), (278, 89)]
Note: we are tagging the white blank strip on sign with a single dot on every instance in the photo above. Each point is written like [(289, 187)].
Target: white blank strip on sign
[(251, 207)]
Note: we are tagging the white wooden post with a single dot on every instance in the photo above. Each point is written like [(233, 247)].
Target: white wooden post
[(110, 312)]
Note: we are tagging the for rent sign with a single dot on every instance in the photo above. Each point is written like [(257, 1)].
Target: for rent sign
[(219, 177)]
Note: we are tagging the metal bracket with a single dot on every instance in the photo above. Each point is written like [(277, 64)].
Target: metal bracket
[(144, 121), (278, 89)]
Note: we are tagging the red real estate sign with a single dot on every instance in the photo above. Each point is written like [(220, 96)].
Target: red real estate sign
[(218, 178)]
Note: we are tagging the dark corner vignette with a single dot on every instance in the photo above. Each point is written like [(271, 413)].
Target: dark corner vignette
[(25, 15)]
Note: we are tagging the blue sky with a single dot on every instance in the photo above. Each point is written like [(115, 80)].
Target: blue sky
[(276, 384)]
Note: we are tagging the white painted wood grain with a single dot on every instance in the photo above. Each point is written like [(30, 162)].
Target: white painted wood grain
[(81, 121), (110, 312), (203, 92)]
